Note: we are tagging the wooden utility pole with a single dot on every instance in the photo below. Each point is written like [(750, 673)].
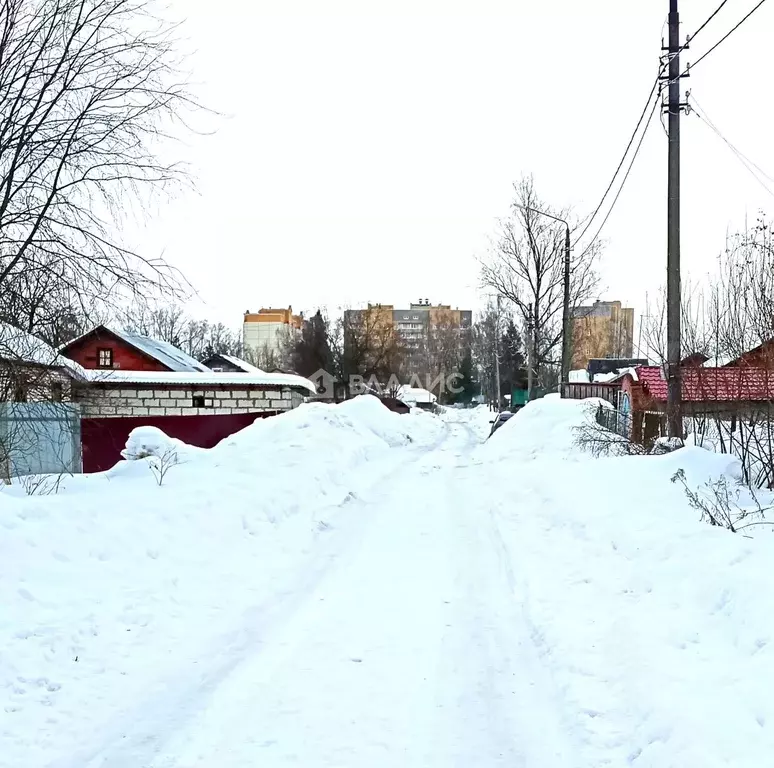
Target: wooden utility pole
[(674, 392)]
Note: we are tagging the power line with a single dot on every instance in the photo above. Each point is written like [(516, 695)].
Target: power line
[(623, 158), (709, 19), (725, 37), (655, 86), (743, 159), (626, 176)]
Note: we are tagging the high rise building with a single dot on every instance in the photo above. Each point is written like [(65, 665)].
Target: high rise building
[(426, 331), (603, 329), (265, 333)]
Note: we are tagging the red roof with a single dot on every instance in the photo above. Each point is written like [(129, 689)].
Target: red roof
[(712, 384)]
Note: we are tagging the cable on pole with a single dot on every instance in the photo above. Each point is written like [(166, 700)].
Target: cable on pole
[(626, 176), (724, 38), (749, 165), (623, 158)]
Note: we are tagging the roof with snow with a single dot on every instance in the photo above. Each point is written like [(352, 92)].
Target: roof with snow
[(167, 354), (22, 347), (239, 363), (416, 395), (711, 384), (161, 351), (210, 378)]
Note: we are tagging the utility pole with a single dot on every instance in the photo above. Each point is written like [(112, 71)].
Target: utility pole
[(674, 392), (566, 324), (497, 356), (530, 356)]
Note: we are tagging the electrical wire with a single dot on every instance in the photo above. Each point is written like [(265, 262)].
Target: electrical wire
[(653, 90), (743, 159), (724, 38), (626, 176), (623, 158), (709, 19)]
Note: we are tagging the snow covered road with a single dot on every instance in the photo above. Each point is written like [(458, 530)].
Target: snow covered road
[(436, 601), (407, 648)]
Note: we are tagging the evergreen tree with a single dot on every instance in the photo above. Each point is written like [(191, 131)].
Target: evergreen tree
[(468, 382), (312, 351)]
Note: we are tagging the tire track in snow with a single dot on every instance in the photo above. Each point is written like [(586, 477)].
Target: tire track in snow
[(137, 737)]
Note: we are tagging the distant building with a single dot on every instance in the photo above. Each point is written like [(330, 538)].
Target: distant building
[(422, 328), (265, 333), (603, 330)]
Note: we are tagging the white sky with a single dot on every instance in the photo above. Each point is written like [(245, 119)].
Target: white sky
[(369, 147)]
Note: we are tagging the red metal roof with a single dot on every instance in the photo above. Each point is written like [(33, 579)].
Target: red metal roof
[(712, 384)]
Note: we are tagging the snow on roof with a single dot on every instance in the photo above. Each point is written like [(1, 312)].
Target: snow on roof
[(207, 378), (239, 363), (22, 347), (416, 395), (165, 353)]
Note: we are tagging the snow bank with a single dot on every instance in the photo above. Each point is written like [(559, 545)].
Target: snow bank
[(656, 627), (145, 442), (103, 583), (543, 427)]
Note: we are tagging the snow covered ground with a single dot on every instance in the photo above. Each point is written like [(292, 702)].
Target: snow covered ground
[(343, 586)]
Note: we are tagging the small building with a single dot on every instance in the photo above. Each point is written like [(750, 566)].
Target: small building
[(39, 423), (132, 381), (417, 397), (222, 363), (725, 393)]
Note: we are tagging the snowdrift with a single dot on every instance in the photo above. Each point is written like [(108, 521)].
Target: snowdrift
[(658, 627), (100, 582)]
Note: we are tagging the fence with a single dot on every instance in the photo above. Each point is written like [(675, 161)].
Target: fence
[(614, 421), (39, 438), (583, 391)]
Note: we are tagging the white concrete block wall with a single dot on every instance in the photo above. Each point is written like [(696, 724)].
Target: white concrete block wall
[(119, 402)]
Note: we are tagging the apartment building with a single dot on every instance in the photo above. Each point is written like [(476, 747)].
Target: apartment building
[(604, 329), (421, 328), (264, 333)]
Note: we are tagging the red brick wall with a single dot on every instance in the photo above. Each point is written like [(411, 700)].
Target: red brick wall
[(127, 357)]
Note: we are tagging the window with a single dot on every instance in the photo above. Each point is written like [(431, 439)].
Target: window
[(104, 358), (56, 392), (198, 401)]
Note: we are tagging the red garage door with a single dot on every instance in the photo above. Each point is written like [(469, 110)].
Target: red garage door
[(104, 439)]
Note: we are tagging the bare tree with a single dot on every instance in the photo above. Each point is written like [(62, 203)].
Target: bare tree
[(526, 267), (369, 344), (444, 350), (89, 89)]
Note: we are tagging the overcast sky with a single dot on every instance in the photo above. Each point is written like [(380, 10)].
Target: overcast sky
[(368, 148)]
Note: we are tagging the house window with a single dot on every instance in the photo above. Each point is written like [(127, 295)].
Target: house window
[(105, 358), (198, 401), (56, 392)]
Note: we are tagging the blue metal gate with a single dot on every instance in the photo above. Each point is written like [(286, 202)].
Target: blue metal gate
[(39, 438)]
